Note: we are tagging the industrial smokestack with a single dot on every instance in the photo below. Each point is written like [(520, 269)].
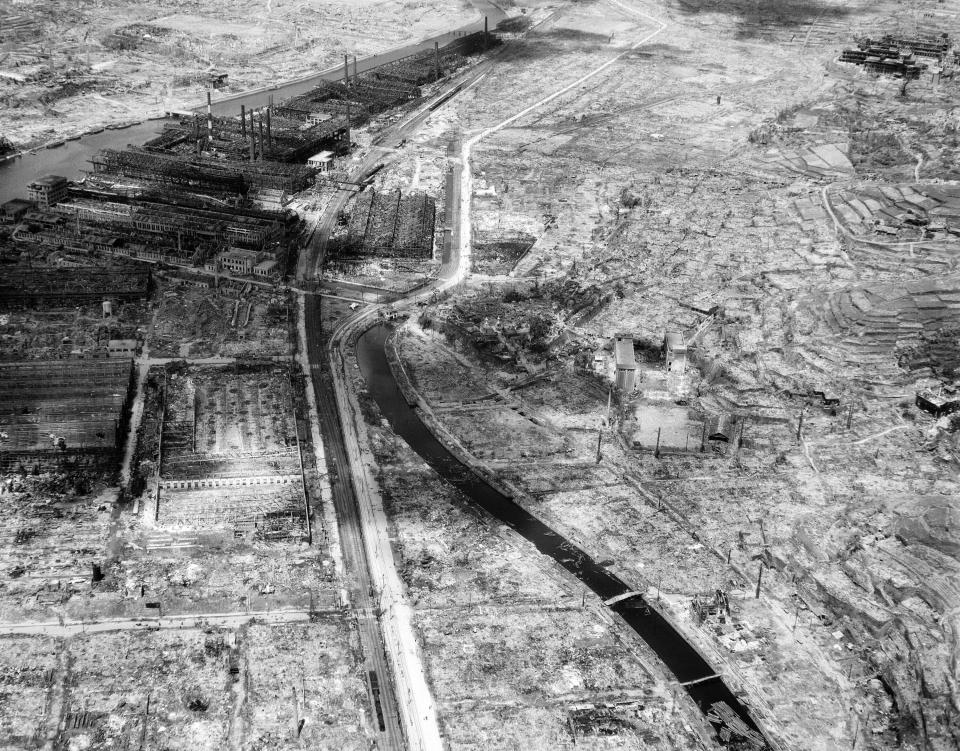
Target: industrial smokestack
[(261, 138), (486, 33), (253, 139), (243, 121), (436, 61), (356, 76), (209, 117), (346, 70), (269, 134)]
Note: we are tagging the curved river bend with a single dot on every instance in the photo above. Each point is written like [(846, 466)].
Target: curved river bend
[(677, 654)]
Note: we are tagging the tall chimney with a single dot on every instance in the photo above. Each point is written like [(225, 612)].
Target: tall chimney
[(356, 76), (261, 138), (269, 134), (253, 139), (346, 69), (436, 61), (243, 121), (486, 33), (209, 117)]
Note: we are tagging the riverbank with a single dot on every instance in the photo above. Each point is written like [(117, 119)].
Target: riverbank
[(509, 640)]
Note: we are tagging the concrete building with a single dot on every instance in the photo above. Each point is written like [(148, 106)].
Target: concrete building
[(13, 210), (322, 161), (48, 191), (268, 269), (238, 261), (122, 348), (626, 363)]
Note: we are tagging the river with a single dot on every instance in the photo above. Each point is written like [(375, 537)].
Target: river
[(681, 658), (71, 159)]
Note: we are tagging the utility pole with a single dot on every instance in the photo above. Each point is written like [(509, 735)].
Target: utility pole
[(759, 577), (146, 716), (209, 117), (296, 712)]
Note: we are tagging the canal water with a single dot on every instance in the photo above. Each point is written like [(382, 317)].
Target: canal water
[(69, 160), (677, 654)]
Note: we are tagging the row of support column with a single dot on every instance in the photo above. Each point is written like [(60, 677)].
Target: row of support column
[(258, 133)]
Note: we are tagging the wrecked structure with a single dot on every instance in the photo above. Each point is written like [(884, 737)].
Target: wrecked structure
[(60, 413), (201, 174), (230, 453), (48, 287), (391, 224), (156, 226), (270, 140), (888, 56)]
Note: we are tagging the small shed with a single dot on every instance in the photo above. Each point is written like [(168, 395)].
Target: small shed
[(267, 268), (13, 210), (322, 161), (675, 350), (720, 427), (937, 405), (122, 348), (626, 363)]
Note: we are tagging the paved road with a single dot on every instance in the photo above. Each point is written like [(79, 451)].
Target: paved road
[(370, 560)]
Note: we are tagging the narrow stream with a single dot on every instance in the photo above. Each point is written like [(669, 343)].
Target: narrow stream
[(676, 653)]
